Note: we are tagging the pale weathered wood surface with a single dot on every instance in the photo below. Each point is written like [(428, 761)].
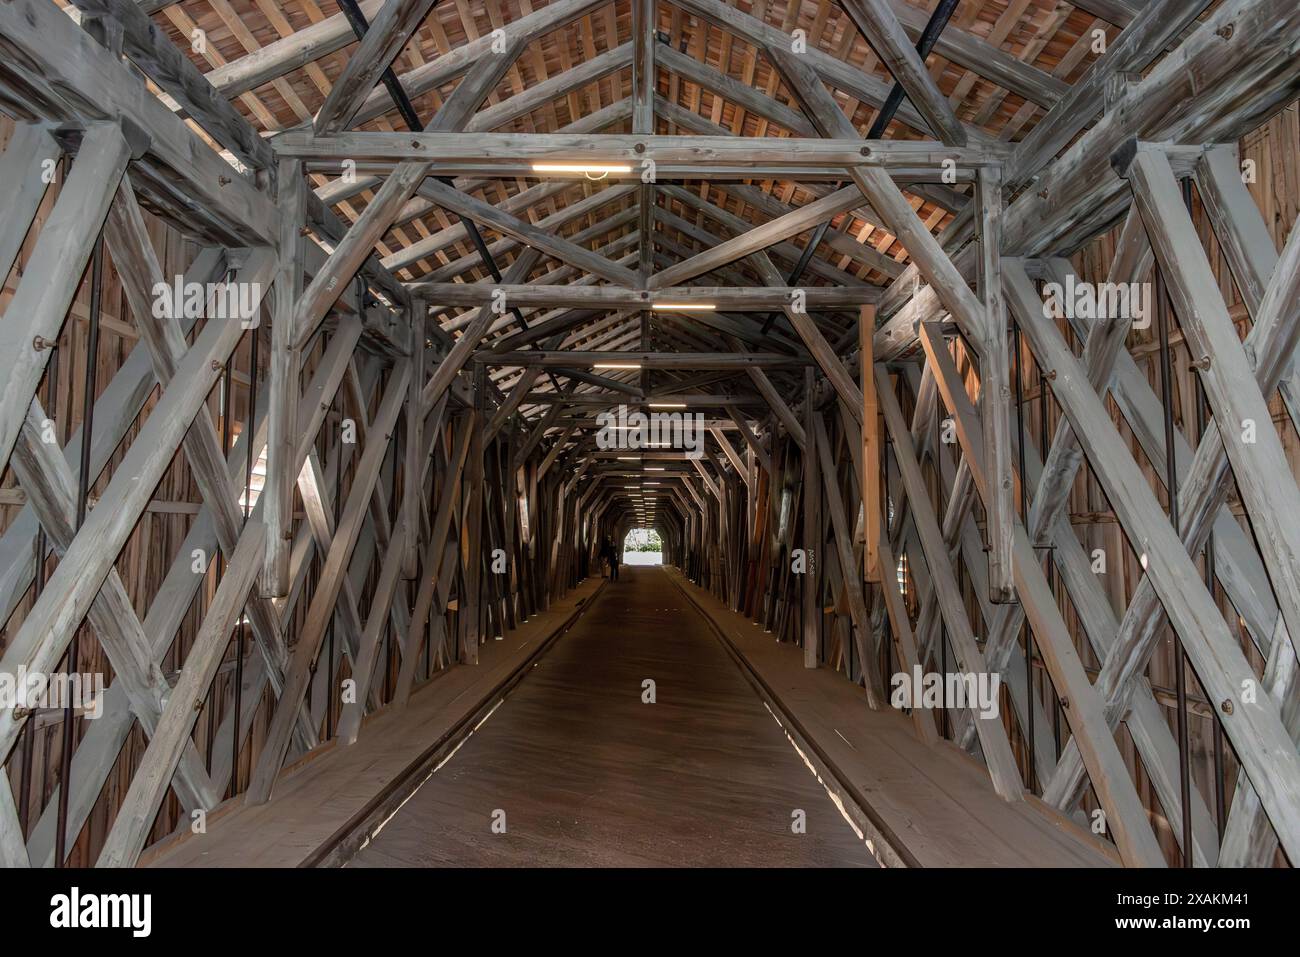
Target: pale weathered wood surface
[(937, 800), (479, 315), (316, 797), (590, 775)]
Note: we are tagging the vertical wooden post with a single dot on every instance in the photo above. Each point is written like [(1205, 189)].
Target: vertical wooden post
[(645, 17), (871, 506), (510, 520), (812, 531), (995, 389), (413, 462), (282, 386), (472, 533)]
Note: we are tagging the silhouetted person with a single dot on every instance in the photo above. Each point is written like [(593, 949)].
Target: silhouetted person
[(609, 554)]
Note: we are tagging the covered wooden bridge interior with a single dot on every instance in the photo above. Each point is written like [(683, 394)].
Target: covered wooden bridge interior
[(313, 316)]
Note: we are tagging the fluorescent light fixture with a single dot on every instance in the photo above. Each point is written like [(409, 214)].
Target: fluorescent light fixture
[(667, 405), (654, 468), (587, 169), (684, 307), (629, 458), (616, 365)]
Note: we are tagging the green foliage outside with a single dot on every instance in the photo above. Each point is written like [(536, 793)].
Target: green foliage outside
[(643, 540)]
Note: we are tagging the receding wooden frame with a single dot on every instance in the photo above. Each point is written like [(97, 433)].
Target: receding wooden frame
[(401, 360)]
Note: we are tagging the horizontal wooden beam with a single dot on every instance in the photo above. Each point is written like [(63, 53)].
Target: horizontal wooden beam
[(591, 422), (921, 181), (587, 399), (488, 149), (617, 297), (646, 360)]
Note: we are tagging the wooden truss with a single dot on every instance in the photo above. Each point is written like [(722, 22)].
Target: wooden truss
[(400, 450)]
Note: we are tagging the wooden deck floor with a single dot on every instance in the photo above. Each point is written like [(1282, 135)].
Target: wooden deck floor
[(587, 774), (935, 802), (583, 772), (317, 798)]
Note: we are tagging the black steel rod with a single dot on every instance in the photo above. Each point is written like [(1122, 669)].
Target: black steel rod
[(924, 44), (393, 85), (360, 25), (88, 399)]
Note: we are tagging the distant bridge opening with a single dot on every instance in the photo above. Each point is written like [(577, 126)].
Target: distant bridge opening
[(643, 546)]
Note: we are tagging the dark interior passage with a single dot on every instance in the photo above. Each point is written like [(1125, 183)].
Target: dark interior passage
[(588, 774)]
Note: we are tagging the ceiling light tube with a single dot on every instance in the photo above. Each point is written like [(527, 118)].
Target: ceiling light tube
[(587, 169)]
